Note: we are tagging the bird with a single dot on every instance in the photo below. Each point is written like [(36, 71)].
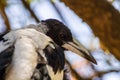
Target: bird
[(22, 49), (62, 36)]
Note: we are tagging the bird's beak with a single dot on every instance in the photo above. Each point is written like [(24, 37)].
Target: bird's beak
[(77, 48)]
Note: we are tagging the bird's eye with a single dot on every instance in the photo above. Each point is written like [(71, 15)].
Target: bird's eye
[(62, 36)]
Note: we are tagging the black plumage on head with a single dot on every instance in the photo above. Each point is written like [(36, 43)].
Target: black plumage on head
[(58, 31), (55, 57)]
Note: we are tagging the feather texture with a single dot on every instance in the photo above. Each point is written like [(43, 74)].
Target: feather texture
[(26, 48)]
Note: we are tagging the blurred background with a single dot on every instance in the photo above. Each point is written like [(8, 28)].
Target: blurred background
[(95, 23)]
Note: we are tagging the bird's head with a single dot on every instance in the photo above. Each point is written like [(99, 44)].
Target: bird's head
[(62, 36)]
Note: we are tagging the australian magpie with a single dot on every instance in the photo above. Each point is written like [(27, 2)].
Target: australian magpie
[(62, 36), (21, 50)]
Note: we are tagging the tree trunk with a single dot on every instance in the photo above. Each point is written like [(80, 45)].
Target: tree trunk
[(103, 18)]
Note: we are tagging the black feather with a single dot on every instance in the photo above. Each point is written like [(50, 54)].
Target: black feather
[(55, 57), (1, 37), (41, 73), (5, 59), (58, 31)]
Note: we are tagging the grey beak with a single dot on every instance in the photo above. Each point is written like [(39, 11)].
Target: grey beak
[(77, 48)]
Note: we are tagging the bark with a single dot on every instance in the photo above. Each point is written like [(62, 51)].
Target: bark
[(103, 18), (58, 11), (3, 4), (27, 6)]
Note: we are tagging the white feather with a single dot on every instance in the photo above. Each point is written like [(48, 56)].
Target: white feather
[(24, 60), (26, 42)]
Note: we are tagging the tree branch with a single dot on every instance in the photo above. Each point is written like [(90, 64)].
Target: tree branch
[(103, 18), (58, 11), (27, 6), (8, 28)]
